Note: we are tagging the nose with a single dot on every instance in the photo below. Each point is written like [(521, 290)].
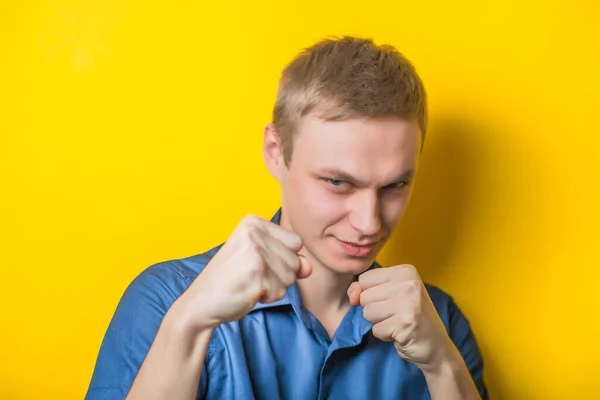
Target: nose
[(364, 215)]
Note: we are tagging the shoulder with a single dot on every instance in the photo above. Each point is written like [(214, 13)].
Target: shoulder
[(136, 320), (153, 291), (460, 332), (442, 300), (172, 277), (449, 311), (437, 294), (190, 267)]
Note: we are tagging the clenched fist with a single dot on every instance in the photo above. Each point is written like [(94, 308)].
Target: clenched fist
[(257, 263), (396, 302)]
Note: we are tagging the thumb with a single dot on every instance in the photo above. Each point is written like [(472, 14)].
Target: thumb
[(354, 292), (305, 268)]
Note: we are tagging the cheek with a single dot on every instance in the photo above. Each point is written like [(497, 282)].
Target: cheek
[(322, 205)]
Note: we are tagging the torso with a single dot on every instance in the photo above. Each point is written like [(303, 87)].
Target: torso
[(278, 353)]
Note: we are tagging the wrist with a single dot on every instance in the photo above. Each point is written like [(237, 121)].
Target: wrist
[(448, 365), (183, 319), (449, 378), (445, 359)]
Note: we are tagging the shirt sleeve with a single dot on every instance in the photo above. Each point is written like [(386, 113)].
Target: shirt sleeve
[(132, 330), (463, 337)]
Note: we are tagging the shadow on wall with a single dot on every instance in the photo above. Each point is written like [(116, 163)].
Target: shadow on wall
[(450, 163), (452, 167)]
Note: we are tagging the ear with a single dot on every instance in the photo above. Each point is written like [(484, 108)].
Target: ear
[(273, 151)]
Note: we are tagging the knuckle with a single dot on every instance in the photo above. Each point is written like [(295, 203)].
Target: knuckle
[(402, 338), (257, 290), (251, 232), (410, 287), (415, 286), (409, 326), (250, 219), (297, 241), (250, 226), (362, 277), (405, 319), (267, 298), (281, 293), (257, 266), (375, 331), (295, 264), (254, 247), (379, 331), (288, 279), (411, 269), (364, 299), (417, 308), (412, 310), (273, 293)]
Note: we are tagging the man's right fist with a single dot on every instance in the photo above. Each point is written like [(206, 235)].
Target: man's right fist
[(257, 263)]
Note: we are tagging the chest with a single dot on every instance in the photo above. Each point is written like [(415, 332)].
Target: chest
[(253, 360)]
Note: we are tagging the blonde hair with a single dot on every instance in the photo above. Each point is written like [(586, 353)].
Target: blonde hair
[(347, 77)]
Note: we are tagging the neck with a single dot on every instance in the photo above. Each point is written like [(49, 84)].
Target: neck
[(324, 291)]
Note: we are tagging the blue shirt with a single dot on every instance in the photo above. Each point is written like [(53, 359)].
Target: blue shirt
[(277, 351)]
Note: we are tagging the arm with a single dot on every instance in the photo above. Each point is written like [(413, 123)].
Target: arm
[(149, 353), (398, 304), (148, 306), (174, 363), (451, 380), (468, 352), (460, 374)]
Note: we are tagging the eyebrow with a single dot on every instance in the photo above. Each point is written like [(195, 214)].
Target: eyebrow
[(345, 176)]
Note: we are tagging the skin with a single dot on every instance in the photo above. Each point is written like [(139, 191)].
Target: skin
[(345, 190), (347, 181), (351, 181)]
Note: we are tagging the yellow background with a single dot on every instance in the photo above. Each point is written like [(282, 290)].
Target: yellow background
[(130, 133)]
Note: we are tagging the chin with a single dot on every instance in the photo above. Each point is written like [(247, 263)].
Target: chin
[(350, 265), (331, 257)]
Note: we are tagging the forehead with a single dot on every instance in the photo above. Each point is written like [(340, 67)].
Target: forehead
[(374, 148)]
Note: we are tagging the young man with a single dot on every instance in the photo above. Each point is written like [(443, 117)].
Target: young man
[(296, 307)]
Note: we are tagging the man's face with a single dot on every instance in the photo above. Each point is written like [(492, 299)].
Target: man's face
[(347, 186)]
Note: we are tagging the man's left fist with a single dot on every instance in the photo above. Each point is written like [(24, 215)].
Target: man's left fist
[(396, 302)]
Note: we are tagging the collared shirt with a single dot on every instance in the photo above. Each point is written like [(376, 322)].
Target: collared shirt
[(277, 351)]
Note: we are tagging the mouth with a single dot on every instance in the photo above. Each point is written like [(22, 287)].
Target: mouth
[(356, 249)]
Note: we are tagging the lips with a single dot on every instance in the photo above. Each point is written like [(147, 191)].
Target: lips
[(357, 250)]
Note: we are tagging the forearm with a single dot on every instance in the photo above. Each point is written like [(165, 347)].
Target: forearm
[(451, 381), (174, 362)]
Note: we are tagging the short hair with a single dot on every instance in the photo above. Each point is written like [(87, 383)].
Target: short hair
[(347, 77)]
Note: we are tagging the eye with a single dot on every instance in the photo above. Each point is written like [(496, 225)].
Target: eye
[(335, 182), (398, 185)]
